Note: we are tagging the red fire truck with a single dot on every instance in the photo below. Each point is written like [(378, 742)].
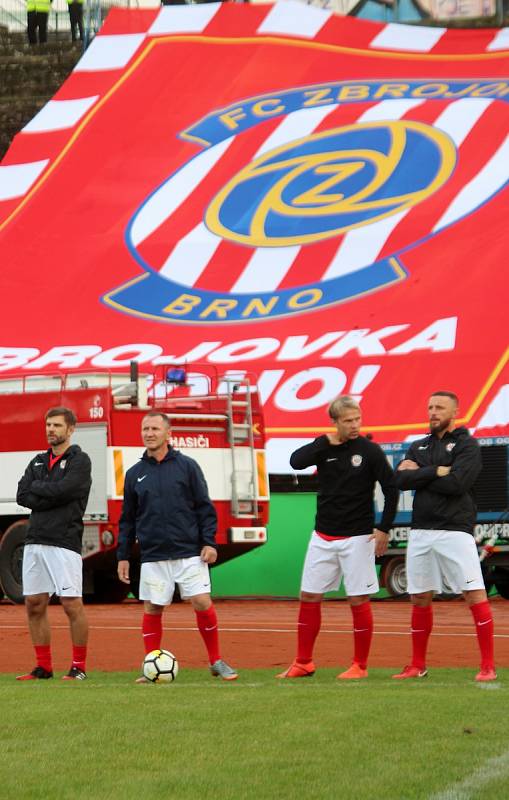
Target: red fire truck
[(215, 419)]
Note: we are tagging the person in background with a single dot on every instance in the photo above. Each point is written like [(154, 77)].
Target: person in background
[(75, 8), (37, 20), (345, 540), (56, 485)]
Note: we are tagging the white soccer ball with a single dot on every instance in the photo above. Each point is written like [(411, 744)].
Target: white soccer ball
[(160, 666)]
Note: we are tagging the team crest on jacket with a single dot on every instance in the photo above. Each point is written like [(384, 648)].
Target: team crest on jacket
[(290, 206), (356, 460)]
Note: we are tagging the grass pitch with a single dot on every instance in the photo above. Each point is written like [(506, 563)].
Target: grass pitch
[(441, 738)]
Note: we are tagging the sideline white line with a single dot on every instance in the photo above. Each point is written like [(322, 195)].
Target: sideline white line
[(491, 770), (120, 628)]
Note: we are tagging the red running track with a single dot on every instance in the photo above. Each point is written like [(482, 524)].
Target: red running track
[(255, 633)]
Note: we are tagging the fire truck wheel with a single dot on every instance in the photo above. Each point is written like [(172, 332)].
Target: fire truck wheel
[(393, 576), (11, 560)]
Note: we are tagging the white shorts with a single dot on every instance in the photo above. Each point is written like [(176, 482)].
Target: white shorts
[(352, 559), (438, 561), (52, 570), (158, 579)]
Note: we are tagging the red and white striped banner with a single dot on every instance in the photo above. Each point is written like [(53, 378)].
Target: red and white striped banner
[(317, 199)]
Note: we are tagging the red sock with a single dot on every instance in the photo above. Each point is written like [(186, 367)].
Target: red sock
[(207, 625), (43, 656), (362, 632), (483, 619), (79, 656), (422, 624), (152, 628), (308, 627)]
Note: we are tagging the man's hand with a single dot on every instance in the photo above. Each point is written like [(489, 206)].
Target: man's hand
[(407, 463), (123, 571), (381, 541), (208, 554), (443, 471)]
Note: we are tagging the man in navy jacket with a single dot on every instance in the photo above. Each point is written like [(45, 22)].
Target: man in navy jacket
[(168, 510)]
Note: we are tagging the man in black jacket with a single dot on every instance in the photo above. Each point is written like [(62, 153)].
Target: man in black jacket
[(442, 469), (345, 541), (56, 485), (168, 510)]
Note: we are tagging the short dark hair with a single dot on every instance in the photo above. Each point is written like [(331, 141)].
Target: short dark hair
[(451, 395), (62, 411), (165, 418)]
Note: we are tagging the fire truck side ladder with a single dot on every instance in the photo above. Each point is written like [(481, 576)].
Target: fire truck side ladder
[(244, 479)]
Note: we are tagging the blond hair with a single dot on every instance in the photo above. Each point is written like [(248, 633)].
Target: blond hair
[(340, 404)]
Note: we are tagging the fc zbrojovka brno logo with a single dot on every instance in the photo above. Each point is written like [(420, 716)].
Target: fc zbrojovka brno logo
[(289, 209)]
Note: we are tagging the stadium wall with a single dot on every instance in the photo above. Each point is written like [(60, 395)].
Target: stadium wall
[(273, 570)]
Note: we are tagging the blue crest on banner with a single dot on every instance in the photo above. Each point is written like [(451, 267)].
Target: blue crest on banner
[(300, 193)]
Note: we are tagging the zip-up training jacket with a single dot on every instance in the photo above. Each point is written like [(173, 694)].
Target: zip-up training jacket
[(167, 508), (447, 503), (347, 474), (58, 498)]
